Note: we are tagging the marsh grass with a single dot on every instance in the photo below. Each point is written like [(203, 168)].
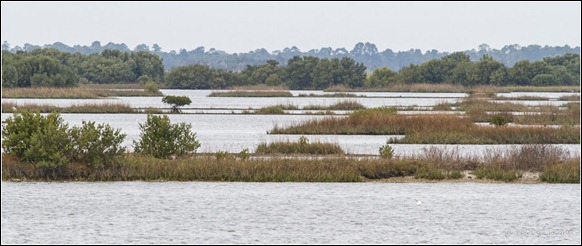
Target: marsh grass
[(341, 105), (495, 135), (280, 108), (430, 129), (480, 110), (301, 147), (376, 121), (94, 108), (251, 93), (498, 174), (275, 109), (443, 106), (72, 93), (342, 94), (197, 169), (568, 172), (503, 165), (570, 98), (522, 98), (533, 157)]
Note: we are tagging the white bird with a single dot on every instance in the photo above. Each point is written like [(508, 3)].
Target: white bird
[(418, 203)]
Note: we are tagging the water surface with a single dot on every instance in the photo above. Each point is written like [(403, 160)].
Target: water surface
[(289, 213)]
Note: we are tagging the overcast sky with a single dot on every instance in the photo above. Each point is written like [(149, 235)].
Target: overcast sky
[(242, 27)]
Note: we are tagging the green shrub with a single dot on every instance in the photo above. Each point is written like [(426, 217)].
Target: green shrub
[(162, 139), (499, 120), (96, 146), (41, 140), (386, 151), (244, 154), (220, 155), (455, 174), (151, 87)]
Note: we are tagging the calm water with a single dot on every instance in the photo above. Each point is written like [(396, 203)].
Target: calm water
[(286, 213)]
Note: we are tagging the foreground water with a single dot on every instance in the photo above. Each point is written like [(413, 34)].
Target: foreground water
[(265, 213)]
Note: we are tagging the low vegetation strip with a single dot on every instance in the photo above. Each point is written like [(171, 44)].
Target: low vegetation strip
[(93, 108), (274, 169), (341, 105), (74, 93), (251, 94), (431, 129), (494, 135), (377, 121), (343, 94), (553, 165), (301, 147)]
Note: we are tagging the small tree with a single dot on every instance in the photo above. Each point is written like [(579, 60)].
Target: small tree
[(162, 139), (97, 146), (176, 101)]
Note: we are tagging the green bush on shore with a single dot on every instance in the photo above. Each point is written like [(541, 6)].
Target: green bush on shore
[(46, 141), (162, 139)]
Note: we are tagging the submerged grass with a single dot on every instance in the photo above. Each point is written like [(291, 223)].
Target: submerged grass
[(93, 108), (252, 93)]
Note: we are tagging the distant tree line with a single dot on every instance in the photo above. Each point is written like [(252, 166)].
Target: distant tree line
[(300, 73), (366, 53), (50, 67), (457, 68)]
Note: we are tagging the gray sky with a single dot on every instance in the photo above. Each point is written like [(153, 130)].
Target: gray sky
[(242, 27)]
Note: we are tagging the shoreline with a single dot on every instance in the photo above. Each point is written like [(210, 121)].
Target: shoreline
[(528, 178)]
